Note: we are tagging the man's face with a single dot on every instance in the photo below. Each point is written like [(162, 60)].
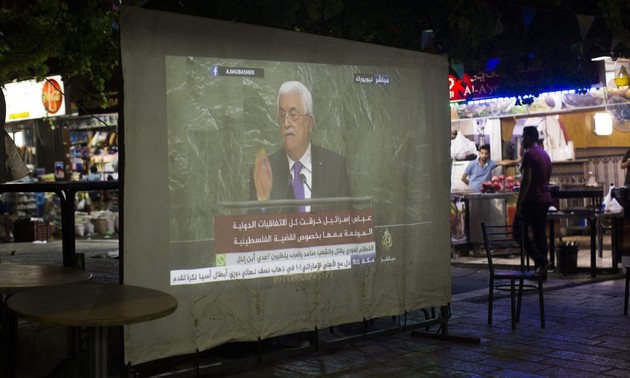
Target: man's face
[(484, 155), (295, 125)]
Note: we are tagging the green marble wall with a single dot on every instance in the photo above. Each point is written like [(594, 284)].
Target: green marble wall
[(216, 125)]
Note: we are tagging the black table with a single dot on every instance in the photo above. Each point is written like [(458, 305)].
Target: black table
[(595, 194), (591, 216), (93, 305), (614, 240), (594, 218), (66, 190), (16, 278)]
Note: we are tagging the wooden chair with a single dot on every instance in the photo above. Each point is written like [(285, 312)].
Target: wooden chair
[(499, 241)]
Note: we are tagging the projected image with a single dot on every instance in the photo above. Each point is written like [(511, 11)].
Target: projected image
[(300, 169), (218, 214), (248, 131)]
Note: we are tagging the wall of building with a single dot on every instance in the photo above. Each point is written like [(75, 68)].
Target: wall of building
[(600, 154), (579, 129)]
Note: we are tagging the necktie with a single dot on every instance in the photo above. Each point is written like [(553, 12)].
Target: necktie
[(298, 186)]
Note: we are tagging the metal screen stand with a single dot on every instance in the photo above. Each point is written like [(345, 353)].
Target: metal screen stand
[(442, 333)]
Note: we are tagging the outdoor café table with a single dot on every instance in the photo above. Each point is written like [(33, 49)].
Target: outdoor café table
[(590, 216), (613, 218), (593, 195), (93, 305), (66, 190), (16, 278)]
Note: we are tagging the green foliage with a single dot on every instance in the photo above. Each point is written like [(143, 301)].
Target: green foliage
[(617, 15), (78, 39), (75, 39)]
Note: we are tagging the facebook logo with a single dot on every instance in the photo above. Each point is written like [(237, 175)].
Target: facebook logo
[(236, 71)]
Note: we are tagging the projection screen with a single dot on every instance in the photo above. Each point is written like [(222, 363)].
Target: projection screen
[(203, 118)]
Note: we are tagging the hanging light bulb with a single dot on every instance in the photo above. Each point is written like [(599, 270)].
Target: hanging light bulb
[(622, 78)]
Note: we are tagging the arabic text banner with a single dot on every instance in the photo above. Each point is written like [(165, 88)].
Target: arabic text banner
[(265, 245)]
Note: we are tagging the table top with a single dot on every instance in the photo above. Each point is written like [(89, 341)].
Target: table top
[(572, 214), (92, 304), (482, 196), (582, 192), (17, 277)]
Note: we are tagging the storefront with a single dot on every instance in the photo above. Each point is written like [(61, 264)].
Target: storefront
[(57, 143), (54, 137), (586, 133)]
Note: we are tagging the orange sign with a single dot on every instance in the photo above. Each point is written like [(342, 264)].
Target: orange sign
[(51, 96)]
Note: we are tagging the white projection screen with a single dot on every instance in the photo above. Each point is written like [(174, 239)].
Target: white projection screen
[(201, 104)]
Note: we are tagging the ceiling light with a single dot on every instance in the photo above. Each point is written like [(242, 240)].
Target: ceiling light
[(602, 57), (603, 124)]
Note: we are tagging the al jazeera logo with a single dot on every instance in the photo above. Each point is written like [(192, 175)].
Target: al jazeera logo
[(220, 260), (387, 242)]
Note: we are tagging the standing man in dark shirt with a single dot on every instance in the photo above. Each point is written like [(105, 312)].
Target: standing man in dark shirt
[(625, 164), (534, 198)]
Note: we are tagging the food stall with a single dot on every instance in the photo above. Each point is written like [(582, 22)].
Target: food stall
[(581, 147), (493, 208)]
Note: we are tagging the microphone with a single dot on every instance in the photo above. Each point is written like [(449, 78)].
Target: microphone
[(303, 180), (289, 185)]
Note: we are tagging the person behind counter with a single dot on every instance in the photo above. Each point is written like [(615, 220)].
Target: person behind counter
[(480, 169), (625, 164)]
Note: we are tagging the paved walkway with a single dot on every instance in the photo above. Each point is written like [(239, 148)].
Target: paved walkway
[(586, 333), (603, 260), (97, 255)]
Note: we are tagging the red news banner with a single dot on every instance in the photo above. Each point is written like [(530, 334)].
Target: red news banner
[(266, 245)]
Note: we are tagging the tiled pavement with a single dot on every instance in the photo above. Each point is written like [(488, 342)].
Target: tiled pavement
[(586, 335)]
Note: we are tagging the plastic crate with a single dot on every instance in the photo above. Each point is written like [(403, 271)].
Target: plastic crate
[(28, 231)]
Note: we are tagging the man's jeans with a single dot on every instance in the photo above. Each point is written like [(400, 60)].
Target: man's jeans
[(534, 218)]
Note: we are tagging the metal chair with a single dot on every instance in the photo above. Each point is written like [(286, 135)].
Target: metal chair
[(626, 264), (499, 241)]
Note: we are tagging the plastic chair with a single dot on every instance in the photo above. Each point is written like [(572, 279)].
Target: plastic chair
[(499, 241)]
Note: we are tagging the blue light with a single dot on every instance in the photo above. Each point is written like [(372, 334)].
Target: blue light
[(492, 64)]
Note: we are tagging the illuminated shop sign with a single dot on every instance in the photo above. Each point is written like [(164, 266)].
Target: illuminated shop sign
[(35, 99), (482, 85)]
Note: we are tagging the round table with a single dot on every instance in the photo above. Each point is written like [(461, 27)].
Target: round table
[(93, 305), (15, 278)]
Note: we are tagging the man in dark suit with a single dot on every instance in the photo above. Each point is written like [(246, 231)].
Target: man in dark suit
[(300, 169)]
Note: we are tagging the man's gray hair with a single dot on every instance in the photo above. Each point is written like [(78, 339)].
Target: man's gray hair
[(299, 88)]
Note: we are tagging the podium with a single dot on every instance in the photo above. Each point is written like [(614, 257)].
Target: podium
[(293, 204)]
